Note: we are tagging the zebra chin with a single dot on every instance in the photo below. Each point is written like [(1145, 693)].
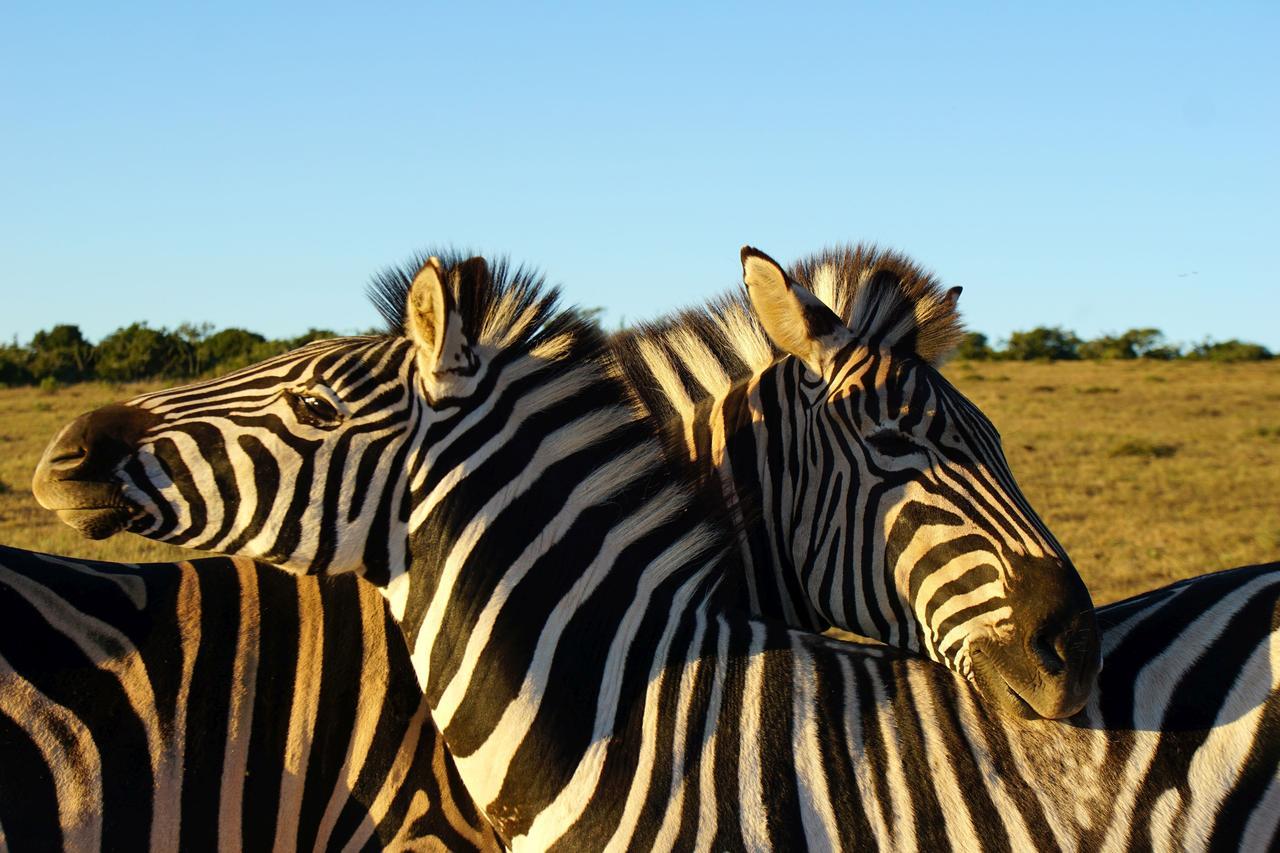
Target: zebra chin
[(97, 522)]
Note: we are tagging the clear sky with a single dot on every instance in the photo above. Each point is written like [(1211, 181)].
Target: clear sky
[(1073, 164)]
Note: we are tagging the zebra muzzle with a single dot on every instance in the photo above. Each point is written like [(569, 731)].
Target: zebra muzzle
[(75, 476)]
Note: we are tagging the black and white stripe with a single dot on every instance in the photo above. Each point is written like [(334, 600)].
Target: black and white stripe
[(561, 591), (217, 704)]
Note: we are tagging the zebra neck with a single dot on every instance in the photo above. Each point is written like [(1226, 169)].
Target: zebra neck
[(751, 441), (564, 524), (530, 590)]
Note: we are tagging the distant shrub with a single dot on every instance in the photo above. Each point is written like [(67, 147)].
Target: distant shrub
[(1142, 448), (1135, 343), (226, 350), (15, 365), (1230, 351), (973, 347), (49, 385), (61, 353), (308, 337), (1043, 344), (140, 352)]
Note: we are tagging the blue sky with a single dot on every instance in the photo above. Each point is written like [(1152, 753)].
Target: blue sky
[(1075, 165)]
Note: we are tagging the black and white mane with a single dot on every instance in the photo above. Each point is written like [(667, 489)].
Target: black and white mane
[(713, 346)]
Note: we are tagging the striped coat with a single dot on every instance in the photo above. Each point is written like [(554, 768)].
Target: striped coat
[(213, 704)]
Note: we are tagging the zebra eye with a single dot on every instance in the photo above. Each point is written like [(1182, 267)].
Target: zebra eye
[(313, 409), (890, 442)]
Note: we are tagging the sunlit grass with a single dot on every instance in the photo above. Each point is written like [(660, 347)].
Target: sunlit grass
[(1174, 473)]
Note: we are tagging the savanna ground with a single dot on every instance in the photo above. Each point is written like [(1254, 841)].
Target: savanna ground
[(1146, 471)]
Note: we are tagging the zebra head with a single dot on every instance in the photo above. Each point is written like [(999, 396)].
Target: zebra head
[(895, 472), (307, 460)]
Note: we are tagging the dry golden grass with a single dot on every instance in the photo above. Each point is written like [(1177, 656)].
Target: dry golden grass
[(1146, 472)]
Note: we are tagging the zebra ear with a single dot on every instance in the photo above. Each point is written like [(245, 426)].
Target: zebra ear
[(794, 319), (434, 325)]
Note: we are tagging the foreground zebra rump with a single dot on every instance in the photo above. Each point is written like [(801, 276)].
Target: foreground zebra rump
[(216, 704), (895, 766)]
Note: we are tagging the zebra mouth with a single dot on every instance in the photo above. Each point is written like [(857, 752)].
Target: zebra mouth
[(97, 522), (1017, 693)]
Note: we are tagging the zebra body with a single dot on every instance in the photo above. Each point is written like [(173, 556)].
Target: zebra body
[(216, 704), (561, 591), (1165, 644)]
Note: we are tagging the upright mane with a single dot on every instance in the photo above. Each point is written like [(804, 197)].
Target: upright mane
[(697, 353), (514, 310)]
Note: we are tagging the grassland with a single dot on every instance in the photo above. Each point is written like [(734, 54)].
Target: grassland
[(1147, 472)]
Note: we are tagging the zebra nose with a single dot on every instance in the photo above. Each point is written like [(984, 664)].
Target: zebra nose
[(1057, 635), (91, 446)]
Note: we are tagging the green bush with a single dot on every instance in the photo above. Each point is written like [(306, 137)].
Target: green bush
[(139, 352), (1043, 343), (62, 354), (1231, 351), (15, 365), (227, 350), (973, 347)]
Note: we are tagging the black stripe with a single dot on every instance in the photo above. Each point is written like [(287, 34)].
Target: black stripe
[(272, 705), (342, 658), (208, 707), (28, 799)]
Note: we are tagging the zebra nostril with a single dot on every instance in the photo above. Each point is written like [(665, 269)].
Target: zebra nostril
[(68, 458), (1051, 646)]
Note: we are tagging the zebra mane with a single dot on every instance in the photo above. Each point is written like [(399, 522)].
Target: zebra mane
[(696, 353), (515, 308)]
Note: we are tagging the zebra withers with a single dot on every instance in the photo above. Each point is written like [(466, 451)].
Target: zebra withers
[(215, 704), (560, 591), (874, 496)]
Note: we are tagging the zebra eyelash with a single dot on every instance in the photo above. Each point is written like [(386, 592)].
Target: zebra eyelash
[(313, 410)]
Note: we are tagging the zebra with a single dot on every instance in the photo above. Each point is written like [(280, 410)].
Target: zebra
[(562, 592), (451, 793), (836, 447), (213, 704)]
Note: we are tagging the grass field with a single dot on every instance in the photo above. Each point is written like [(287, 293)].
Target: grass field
[(1147, 472)]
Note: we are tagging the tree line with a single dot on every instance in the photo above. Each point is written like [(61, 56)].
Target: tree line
[(62, 355), (1045, 343)]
